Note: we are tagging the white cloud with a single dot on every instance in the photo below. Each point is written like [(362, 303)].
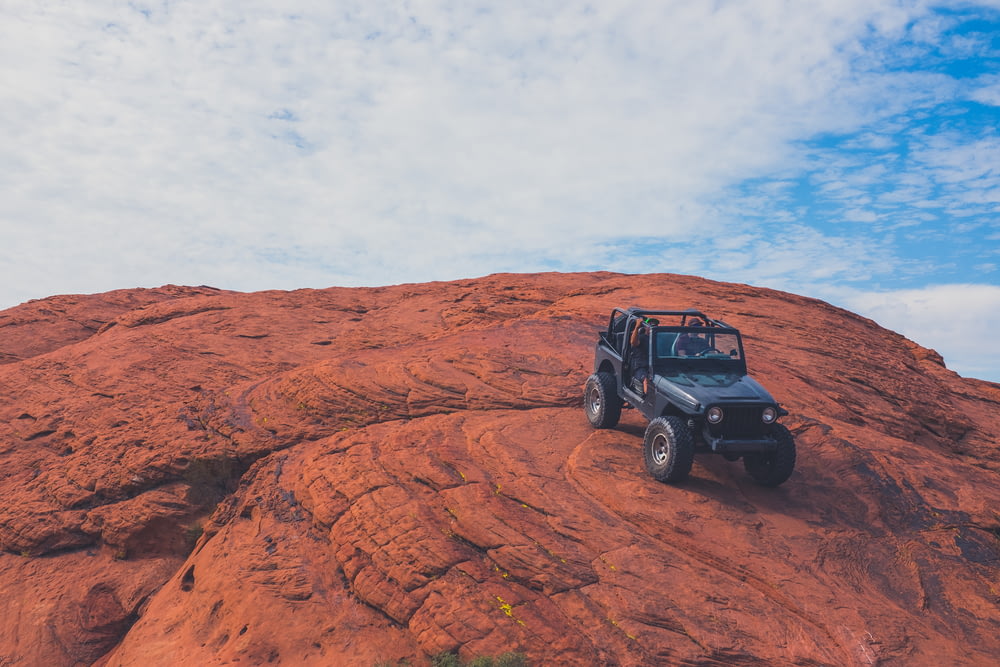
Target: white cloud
[(258, 145), (959, 321), (987, 91)]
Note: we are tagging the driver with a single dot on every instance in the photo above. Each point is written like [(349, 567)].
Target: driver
[(639, 341), (691, 344)]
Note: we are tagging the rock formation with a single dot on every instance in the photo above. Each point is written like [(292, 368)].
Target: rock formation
[(376, 475)]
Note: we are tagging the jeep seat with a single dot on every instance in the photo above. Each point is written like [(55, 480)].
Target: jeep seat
[(665, 344)]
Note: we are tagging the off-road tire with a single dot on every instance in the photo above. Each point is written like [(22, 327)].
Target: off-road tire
[(668, 449), (601, 401), (773, 468)]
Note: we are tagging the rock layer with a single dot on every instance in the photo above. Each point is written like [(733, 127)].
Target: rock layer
[(376, 475)]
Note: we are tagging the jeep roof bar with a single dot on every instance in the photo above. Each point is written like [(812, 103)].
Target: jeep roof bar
[(684, 314)]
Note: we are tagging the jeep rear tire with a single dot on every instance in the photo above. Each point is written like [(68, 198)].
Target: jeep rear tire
[(668, 449), (773, 468), (601, 401)]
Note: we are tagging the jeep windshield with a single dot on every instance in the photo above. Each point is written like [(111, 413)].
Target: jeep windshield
[(697, 345)]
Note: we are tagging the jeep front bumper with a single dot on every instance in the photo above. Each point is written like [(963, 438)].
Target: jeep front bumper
[(739, 445)]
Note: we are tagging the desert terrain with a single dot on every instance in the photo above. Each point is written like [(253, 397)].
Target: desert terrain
[(362, 476)]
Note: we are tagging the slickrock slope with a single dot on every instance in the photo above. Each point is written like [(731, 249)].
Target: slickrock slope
[(362, 476)]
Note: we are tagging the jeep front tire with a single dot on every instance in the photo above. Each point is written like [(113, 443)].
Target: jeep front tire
[(773, 468), (668, 449)]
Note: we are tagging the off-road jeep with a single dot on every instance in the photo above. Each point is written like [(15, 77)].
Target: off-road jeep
[(688, 377)]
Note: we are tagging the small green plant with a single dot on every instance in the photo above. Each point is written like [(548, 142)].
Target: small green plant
[(508, 659), (511, 659), (192, 533)]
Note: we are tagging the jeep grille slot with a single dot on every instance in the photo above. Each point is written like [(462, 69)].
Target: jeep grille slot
[(739, 422)]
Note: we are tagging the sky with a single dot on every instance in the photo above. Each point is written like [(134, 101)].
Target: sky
[(841, 149)]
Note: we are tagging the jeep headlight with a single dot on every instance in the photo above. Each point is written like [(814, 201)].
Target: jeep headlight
[(768, 415), (714, 415)]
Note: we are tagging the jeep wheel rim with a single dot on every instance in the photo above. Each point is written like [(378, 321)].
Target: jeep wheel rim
[(595, 401), (660, 447)]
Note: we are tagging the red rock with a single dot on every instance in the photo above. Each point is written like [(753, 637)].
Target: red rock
[(354, 476)]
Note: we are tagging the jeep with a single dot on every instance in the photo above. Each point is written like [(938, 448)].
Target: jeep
[(688, 377)]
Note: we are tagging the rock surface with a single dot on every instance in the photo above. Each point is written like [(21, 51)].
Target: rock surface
[(373, 475)]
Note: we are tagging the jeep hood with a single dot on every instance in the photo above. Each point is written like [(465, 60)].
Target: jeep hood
[(713, 387)]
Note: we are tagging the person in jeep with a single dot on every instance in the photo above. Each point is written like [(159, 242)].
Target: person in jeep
[(639, 340), (691, 344)]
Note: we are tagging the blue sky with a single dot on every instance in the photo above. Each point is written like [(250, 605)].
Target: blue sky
[(846, 150)]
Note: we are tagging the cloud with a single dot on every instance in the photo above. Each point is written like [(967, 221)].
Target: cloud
[(158, 130), (959, 321), (987, 91)]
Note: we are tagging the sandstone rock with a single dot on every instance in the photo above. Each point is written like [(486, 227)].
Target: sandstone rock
[(356, 476)]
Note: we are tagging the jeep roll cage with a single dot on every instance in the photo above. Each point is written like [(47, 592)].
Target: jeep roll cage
[(683, 314), (664, 336)]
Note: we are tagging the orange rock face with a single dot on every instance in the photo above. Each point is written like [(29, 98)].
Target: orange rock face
[(363, 476)]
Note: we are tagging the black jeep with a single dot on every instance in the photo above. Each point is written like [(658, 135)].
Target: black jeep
[(689, 378)]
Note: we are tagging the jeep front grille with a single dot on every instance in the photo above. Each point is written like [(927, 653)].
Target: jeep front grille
[(739, 422)]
